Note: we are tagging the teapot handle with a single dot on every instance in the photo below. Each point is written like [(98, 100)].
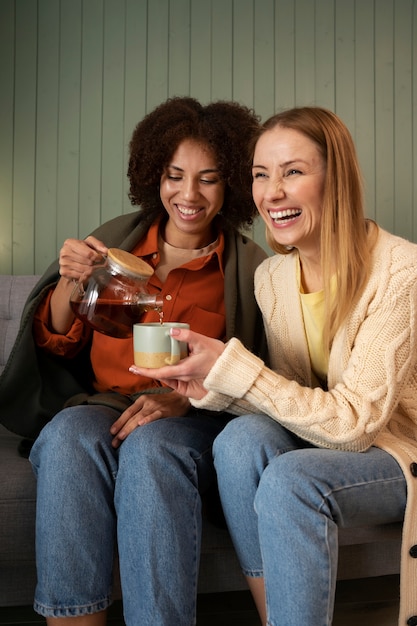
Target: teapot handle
[(78, 290)]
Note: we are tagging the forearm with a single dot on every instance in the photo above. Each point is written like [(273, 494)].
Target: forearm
[(61, 315)]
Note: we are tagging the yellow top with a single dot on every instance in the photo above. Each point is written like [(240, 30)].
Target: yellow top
[(312, 305)]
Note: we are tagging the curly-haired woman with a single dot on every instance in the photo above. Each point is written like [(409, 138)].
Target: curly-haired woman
[(107, 464)]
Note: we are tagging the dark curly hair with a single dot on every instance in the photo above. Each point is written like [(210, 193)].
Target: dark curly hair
[(226, 127)]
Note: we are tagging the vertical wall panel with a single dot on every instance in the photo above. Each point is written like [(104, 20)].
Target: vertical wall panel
[(179, 48), (200, 50), (243, 55), (304, 52), (113, 155), (345, 62), (78, 75), (284, 54), (136, 73), (157, 52), (24, 136), (69, 119), (324, 69), (364, 127), (91, 116), (221, 42), (384, 110), (7, 27), (48, 79), (264, 59), (403, 149)]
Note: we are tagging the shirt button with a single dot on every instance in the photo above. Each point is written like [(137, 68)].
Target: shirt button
[(412, 621), (168, 297), (154, 255), (413, 552), (413, 469)]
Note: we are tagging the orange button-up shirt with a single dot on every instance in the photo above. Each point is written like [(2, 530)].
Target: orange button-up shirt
[(192, 293)]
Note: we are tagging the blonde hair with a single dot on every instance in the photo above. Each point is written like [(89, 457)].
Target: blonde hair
[(347, 237)]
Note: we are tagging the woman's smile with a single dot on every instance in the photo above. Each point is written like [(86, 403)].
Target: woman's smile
[(188, 212), (282, 217)]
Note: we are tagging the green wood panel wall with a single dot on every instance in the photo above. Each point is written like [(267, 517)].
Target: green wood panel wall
[(77, 75)]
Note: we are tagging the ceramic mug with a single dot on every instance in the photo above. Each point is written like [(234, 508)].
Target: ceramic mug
[(153, 346)]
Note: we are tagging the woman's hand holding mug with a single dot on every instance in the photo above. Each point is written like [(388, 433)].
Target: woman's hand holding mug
[(188, 375)]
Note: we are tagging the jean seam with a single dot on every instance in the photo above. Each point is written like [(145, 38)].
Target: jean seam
[(72, 611), (353, 486)]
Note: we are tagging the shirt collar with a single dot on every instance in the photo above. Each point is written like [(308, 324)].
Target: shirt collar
[(147, 248)]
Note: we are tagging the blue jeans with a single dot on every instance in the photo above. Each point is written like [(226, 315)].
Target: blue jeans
[(143, 497), (284, 501)]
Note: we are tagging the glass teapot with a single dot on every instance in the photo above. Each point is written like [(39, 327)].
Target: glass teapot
[(115, 295)]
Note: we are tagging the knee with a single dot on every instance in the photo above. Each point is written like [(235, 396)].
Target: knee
[(287, 481), (141, 442), (58, 435), (70, 430), (275, 485), (153, 445), (234, 445), (51, 443)]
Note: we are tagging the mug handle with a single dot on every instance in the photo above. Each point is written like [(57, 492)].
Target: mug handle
[(175, 352)]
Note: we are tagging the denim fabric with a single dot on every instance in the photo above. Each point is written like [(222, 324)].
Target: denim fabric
[(284, 500), (146, 493)]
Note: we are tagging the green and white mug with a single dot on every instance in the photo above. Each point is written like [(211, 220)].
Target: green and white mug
[(153, 346)]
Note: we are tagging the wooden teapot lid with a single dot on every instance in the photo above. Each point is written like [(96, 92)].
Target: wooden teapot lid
[(130, 263)]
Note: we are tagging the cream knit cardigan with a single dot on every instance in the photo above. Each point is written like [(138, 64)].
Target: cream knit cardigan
[(372, 375)]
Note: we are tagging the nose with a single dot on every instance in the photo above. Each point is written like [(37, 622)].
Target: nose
[(190, 188), (275, 188)]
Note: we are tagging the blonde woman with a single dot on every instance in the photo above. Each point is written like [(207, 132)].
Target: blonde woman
[(327, 436)]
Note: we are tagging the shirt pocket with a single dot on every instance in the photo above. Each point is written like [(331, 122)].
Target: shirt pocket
[(206, 322)]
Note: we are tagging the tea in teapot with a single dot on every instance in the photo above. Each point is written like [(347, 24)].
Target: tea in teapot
[(115, 295)]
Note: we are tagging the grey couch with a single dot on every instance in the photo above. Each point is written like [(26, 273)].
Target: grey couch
[(364, 552)]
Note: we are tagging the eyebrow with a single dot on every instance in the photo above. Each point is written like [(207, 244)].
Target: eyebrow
[(207, 171), (285, 164)]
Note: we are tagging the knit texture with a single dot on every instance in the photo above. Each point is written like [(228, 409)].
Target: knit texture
[(372, 377)]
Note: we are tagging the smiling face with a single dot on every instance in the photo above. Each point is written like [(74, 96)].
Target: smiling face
[(192, 193), (288, 182)]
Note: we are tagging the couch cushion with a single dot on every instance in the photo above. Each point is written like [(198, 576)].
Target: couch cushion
[(14, 291)]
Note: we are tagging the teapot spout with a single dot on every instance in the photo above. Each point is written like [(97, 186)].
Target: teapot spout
[(149, 301)]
